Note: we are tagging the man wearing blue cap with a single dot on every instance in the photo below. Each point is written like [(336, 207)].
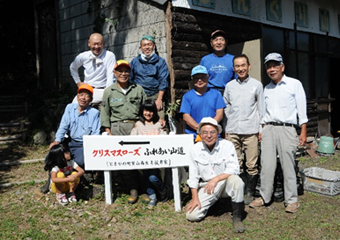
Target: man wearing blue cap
[(200, 102), (285, 107), (151, 72)]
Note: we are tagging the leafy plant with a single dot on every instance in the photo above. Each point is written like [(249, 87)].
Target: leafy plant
[(173, 108)]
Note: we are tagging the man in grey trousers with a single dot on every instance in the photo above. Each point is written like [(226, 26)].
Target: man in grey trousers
[(285, 103)]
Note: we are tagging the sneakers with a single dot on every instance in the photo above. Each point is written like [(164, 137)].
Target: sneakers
[(145, 198), (258, 202), (292, 207), (71, 196), (152, 203), (61, 197)]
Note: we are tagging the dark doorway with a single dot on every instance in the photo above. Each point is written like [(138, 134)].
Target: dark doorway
[(335, 94), (48, 58)]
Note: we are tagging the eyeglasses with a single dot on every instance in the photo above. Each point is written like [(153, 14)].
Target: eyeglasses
[(203, 79), (212, 133)]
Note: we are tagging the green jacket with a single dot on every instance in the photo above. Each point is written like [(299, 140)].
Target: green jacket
[(118, 106)]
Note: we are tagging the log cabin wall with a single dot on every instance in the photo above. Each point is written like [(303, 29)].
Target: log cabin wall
[(190, 36)]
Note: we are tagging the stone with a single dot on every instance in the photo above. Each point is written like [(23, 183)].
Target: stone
[(40, 138)]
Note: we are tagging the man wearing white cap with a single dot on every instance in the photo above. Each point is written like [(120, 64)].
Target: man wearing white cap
[(213, 174), (285, 103)]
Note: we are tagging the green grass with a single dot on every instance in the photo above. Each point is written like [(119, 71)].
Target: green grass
[(25, 215)]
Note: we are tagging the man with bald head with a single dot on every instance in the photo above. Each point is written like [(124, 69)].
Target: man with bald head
[(98, 66)]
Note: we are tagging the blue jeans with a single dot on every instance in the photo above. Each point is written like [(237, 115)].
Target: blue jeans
[(153, 182), (77, 151)]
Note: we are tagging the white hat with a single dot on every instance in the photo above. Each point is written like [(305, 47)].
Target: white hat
[(273, 57), (211, 121)]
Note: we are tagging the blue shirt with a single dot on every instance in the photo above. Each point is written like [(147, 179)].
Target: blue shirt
[(152, 75), (200, 106), (220, 69), (77, 125)]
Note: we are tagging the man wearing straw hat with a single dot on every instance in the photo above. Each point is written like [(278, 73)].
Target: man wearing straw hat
[(285, 103)]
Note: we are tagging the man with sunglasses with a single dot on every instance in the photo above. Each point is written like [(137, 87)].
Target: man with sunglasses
[(213, 174), (200, 102)]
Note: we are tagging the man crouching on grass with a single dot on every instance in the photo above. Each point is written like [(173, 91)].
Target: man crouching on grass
[(213, 174)]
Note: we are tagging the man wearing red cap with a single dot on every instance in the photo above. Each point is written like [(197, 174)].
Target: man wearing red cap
[(219, 63), (79, 119)]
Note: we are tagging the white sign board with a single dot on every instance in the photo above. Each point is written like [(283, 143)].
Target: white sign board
[(136, 152), (129, 152)]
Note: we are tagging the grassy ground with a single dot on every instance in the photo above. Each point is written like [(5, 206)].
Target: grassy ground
[(27, 214)]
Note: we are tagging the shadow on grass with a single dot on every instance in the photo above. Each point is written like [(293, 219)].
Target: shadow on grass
[(11, 152)]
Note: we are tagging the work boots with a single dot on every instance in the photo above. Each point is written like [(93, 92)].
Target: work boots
[(46, 187), (238, 210), (250, 188)]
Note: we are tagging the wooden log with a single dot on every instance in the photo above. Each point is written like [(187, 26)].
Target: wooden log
[(14, 137), (192, 37), (187, 53), (183, 17), (182, 85), (17, 124), (184, 66), (187, 27), (182, 74), (186, 45), (185, 59)]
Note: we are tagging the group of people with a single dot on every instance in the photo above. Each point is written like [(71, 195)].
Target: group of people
[(227, 112), (226, 103), (116, 97)]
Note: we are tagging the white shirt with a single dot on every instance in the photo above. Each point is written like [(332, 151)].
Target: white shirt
[(206, 165), (285, 101), (98, 71), (244, 111)]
